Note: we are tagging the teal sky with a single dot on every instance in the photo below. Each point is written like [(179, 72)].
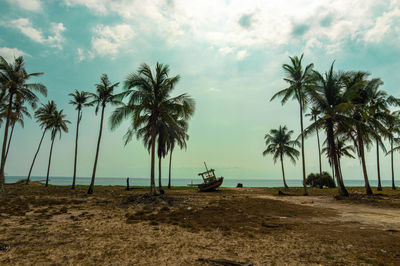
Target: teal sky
[(229, 54)]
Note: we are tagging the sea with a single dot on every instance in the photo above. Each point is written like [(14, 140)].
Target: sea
[(140, 181)]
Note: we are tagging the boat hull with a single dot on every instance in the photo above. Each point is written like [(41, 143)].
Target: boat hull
[(211, 186)]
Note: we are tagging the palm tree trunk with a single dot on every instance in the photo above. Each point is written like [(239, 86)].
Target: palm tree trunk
[(34, 158), (302, 149), (283, 174), (391, 159), (153, 189), (76, 150), (90, 191), (364, 168), (319, 152), (169, 174), (3, 150), (9, 141), (378, 166), (159, 176), (48, 167), (334, 158)]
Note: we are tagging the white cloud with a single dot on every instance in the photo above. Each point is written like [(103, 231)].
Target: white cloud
[(212, 89), (108, 40), (10, 53), (30, 5), (25, 26), (387, 24), (242, 54), (272, 22)]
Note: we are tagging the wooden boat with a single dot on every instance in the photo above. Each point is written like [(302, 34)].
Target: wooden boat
[(211, 183)]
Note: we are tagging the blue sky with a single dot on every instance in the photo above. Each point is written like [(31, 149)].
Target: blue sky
[(229, 55)]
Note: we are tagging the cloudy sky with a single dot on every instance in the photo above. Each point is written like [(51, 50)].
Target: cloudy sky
[(229, 54)]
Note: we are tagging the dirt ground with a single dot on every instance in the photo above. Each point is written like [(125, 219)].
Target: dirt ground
[(56, 225)]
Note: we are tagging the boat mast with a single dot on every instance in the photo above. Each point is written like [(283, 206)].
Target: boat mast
[(206, 166)]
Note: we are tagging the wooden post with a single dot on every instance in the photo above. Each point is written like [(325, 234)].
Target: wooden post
[(127, 183)]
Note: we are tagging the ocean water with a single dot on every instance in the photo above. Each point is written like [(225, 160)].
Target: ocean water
[(228, 182)]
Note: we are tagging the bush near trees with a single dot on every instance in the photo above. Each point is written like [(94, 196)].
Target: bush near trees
[(320, 180)]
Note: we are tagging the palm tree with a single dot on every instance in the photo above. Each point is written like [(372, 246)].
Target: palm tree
[(79, 99), (332, 100), (368, 127), (314, 113), (19, 111), (14, 79), (42, 115), (342, 150), (57, 124), (162, 150), (279, 144), (300, 80), (392, 123), (150, 105), (105, 95), (178, 137)]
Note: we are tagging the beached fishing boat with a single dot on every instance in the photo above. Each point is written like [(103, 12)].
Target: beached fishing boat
[(211, 182)]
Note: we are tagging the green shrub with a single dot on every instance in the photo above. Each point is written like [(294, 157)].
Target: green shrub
[(320, 180)]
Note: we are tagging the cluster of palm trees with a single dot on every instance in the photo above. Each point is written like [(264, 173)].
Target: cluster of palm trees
[(349, 106), (155, 116)]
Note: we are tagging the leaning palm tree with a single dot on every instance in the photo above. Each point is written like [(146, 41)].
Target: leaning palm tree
[(279, 144), (105, 95), (42, 115), (330, 97), (314, 113), (300, 80), (150, 104), (19, 111), (80, 100), (57, 124), (14, 79)]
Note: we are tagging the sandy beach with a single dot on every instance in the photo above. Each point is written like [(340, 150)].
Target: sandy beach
[(55, 225)]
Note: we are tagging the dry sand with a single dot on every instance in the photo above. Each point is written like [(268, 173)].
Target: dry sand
[(55, 225)]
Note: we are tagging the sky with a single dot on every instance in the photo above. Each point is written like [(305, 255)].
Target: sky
[(229, 54)]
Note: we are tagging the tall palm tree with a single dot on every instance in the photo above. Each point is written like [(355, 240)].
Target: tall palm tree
[(368, 127), (177, 137), (314, 113), (57, 124), (14, 79), (300, 80), (42, 115), (162, 150), (279, 144), (392, 123), (150, 104), (19, 111), (105, 95), (80, 100), (330, 97)]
